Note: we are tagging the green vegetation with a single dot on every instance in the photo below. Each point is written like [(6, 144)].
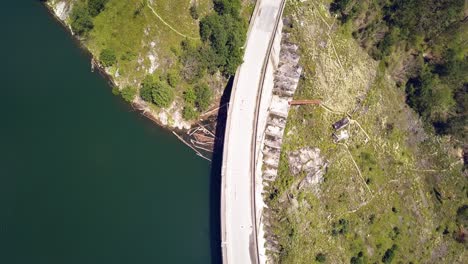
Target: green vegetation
[(162, 95), (225, 33), (321, 258), (81, 21), (189, 113), (157, 91), (96, 6), (188, 43), (107, 57), (173, 78), (392, 192), (194, 11), (128, 93), (203, 95), (389, 255), (425, 43)]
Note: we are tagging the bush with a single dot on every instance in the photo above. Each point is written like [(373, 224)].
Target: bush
[(195, 64), (128, 93), (320, 257), (203, 95), (341, 227), (107, 57), (81, 21), (359, 259), (189, 96), (96, 6), (173, 78), (389, 254), (189, 113), (115, 90), (146, 88), (162, 94), (462, 215), (227, 7), (194, 12)]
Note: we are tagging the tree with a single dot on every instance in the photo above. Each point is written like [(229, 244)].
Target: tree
[(107, 57), (162, 94), (96, 6), (128, 93), (203, 96), (227, 7), (225, 34), (194, 63), (81, 21), (146, 89)]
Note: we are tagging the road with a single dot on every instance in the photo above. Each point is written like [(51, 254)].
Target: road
[(239, 234)]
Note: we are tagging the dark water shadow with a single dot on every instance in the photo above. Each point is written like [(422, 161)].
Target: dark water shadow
[(215, 177)]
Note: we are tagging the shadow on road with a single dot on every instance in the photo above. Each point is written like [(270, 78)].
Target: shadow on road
[(215, 178)]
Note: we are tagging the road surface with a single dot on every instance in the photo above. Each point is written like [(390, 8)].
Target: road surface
[(239, 235)]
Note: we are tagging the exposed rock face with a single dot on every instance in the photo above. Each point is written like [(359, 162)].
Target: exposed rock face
[(285, 83), (286, 79), (61, 8), (310, 161)]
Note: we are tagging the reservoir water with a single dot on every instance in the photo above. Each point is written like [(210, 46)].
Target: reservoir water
[(83, 178)]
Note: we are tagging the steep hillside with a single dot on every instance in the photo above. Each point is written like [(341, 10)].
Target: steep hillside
[(392, 192), (166, 57)]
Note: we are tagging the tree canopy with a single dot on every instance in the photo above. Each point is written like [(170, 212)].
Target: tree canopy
[(156, 91), (81, 20), (429, 34), (108, 57)]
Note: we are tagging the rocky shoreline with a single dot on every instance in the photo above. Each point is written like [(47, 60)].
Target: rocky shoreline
[(170, 118)]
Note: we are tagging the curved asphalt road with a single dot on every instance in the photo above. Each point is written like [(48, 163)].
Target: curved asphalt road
[(239, 235)]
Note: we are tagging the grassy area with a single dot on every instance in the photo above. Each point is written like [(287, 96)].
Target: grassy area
[(143, 42), (161, 40), (389, 184)]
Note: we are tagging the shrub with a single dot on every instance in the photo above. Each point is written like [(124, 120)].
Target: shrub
[(462, 215), (96, 6), (173, 78), (189, 96), (320, 257), (195, 64), (189, 113), (81, 21), (128, 93), (194, 12), (115, 90), (227, 7), (146, 88), (162, 94), (389, 254), (107, 57), (203, 95), (359, 259)]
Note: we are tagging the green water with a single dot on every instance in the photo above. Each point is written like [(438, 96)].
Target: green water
[(83, 178)]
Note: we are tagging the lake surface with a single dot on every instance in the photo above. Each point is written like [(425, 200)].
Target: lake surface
[(83, 178)]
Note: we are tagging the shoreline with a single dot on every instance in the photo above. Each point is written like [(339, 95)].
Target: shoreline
[(179, 132)]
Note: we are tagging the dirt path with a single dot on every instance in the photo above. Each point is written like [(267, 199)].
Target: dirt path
[(169, 26)]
